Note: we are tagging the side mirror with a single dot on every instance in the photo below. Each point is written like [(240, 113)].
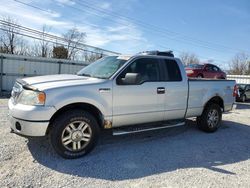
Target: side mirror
[(131, 79)]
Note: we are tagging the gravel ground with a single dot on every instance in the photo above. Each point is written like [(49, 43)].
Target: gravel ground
[(177, 157)]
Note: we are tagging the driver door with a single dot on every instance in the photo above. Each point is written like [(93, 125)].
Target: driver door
[(139, 102)]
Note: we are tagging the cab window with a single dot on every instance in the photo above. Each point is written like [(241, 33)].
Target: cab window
[(146, 68), (173, 72)]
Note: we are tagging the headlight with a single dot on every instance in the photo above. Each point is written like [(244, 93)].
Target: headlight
[(30, 97)]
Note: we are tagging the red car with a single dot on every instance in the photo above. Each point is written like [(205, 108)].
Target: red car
[(205, 71)]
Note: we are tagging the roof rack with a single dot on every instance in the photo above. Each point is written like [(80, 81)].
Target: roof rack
[(164, 53)]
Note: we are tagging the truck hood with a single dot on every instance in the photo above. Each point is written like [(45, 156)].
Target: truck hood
[(54, 81)]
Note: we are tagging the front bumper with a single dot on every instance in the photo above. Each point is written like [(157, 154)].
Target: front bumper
[(28, 128), (29, 120)]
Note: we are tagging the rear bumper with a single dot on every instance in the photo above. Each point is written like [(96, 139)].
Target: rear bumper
[(234, 106), (229, 107), (28, 128), (191, 75)]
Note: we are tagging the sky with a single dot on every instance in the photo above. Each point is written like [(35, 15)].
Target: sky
[(213, 30)]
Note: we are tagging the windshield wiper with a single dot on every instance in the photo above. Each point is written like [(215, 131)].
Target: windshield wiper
[(83, 74), (100, 77)]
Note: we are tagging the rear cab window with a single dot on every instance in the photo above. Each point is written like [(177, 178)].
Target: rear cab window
[(172, 71)]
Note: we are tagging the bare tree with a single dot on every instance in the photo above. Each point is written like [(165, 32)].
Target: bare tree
[(91, 57), (23, 48), (9, 38), (189, 58), (239, 64), (3, 49), (44, 44), (42, 47), (74, 38), (248, 66)]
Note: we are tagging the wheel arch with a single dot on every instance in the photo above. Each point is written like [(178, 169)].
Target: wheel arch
[(200, 74), (90, 108), (215, 100)]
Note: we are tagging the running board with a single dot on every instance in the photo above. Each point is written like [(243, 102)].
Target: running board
[(136, 129)]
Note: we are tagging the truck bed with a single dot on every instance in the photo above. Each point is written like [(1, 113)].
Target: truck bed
[(201, 90)]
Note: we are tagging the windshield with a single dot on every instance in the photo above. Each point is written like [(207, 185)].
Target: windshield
[(195, 66), (103, 68)]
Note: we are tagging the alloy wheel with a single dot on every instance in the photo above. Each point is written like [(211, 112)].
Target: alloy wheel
[(76, 135), (212, 118)]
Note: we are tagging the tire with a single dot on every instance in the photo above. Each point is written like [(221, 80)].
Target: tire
[(243, 98), (200, 76), (207, 121), (74, 134)]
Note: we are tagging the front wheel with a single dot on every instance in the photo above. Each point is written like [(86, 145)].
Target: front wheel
[(210, 119), (74, 134)]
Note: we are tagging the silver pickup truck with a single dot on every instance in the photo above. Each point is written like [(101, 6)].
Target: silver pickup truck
[(143, 92)]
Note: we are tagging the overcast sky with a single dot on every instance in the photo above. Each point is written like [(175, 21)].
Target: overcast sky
[(213, 29)]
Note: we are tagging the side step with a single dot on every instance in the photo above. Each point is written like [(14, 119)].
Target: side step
[(138, 129)]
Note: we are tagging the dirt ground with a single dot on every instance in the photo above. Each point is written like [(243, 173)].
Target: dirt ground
[(176, 157)]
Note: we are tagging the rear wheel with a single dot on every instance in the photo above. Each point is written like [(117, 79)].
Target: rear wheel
[(200, 76), (210, 119), (74, 134), (243, 98)]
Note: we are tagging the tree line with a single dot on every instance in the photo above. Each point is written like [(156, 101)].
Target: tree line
[(13, 42)]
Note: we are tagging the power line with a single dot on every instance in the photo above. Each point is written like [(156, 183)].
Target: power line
[(78, 10), (145, 26), (34, 7), (199, 56), (30, 30), (115, 14), (88, 5), (46, 11), (36, 32), (91, 12), (46, 40)]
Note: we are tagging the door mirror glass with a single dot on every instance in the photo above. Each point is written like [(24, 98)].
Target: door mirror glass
[(131, 79)]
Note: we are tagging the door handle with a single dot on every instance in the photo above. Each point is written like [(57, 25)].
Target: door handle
[(160, 90)]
